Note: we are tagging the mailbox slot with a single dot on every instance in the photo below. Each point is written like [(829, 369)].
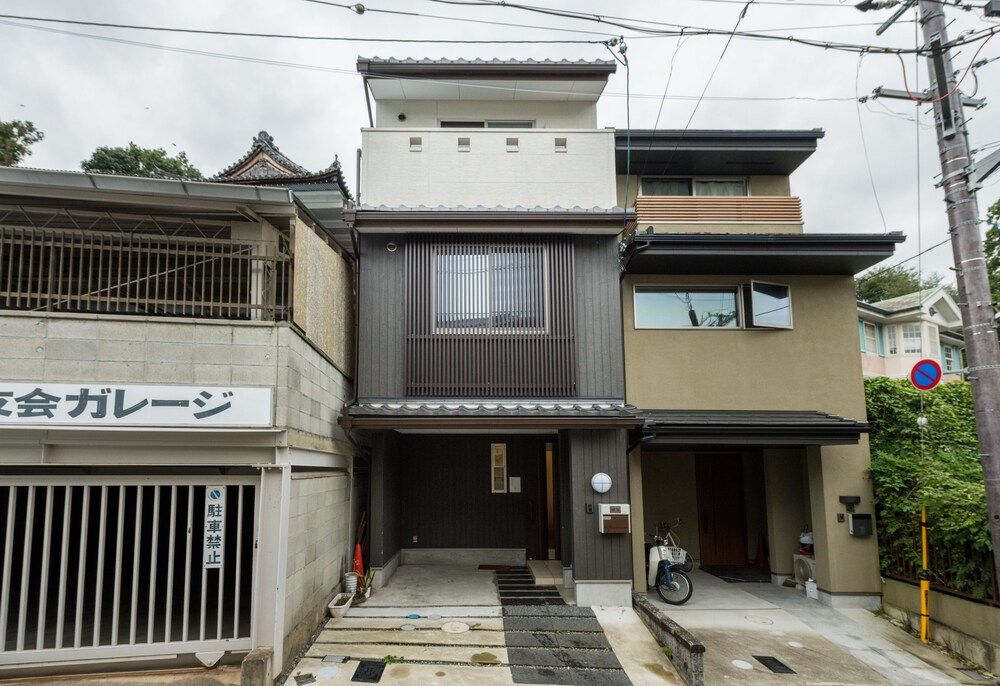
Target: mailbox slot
[(614, 519)]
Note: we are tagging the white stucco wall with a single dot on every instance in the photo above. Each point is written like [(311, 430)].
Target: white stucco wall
[(430, 113), (488, 175)]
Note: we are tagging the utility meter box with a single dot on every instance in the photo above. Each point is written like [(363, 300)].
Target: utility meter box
[(615, 519), (859, 524)]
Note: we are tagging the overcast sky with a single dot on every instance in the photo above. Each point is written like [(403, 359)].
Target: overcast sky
[(83, 92)]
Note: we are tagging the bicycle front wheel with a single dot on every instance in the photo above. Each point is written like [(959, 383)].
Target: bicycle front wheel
[(678, 591)]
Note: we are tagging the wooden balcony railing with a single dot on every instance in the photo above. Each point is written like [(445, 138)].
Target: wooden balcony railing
[(751, 209), (64, 270)]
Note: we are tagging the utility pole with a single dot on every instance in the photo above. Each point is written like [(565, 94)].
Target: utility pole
[(959, 178)]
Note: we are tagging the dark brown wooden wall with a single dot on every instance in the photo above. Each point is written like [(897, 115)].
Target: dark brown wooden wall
[(502, 359), (597, 556), (446, 496), (386, 497)]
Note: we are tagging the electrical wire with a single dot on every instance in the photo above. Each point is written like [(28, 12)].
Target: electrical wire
[(864, 144), (954, 90), (659, 111), (292, 36), (692, 30), (353, 72)]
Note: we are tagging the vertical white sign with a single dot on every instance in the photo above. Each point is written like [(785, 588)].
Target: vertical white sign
[(215, 526)]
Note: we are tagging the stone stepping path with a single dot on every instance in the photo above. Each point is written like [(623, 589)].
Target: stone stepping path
[(516, 586)]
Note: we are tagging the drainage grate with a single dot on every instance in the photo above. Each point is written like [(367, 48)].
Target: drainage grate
[(774, 664), (369, 671)]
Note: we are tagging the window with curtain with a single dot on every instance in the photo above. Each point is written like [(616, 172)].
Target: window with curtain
[(495, 289), (893, 345), (911, 339), (665, 185), (932, 334), (949, 358), (871, 339), (660, 307)]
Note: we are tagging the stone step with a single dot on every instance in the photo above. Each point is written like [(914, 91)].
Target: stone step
[(552, 624), (528, 639), (552, 611), (558, 675), (565, 657)]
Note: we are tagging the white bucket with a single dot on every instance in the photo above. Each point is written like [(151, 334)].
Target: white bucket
[(350, 582)]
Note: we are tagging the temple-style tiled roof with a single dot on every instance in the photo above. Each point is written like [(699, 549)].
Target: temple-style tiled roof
[(265, 165)]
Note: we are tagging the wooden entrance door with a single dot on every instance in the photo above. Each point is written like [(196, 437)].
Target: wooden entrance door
[(534, 492), (721, 509)]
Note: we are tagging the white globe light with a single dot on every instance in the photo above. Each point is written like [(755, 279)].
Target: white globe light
[(600, 482)]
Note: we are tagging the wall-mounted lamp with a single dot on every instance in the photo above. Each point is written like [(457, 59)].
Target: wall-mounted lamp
[(600, 482)]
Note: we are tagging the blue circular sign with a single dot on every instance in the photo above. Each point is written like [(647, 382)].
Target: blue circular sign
[(215, 494), (925, 375)]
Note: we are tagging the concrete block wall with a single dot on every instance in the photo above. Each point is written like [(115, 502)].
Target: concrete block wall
[(319, 543), (309, 389)]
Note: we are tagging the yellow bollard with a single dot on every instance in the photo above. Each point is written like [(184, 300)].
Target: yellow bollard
[(925, 579)]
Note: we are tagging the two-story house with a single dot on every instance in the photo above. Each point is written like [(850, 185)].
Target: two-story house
[(741, 353), (174, 488), (490, 373), (898, 332)]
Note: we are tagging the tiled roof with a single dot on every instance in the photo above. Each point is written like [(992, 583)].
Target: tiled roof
[(444, 414), (483, 208), (431, 61)]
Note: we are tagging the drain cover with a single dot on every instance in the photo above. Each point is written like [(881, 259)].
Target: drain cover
[(454, 627), (742, 664), (369, 671), (774, 664), (408, 627)]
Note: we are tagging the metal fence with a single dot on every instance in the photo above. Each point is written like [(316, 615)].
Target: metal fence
[(64, 270), (959, 571), (94, 567)]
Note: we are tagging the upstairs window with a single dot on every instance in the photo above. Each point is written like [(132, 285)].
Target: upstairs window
[(658, 307), (770, 305), (490, 290), (893, 345), (701, 186), (911, 339), (487, 124)]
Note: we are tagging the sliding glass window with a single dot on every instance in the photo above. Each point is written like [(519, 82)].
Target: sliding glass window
[(666, 307)]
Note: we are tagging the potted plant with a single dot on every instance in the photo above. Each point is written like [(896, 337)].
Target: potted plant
[(364, 586)]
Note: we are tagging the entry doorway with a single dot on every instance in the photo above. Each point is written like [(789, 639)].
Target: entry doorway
[(722, 519), (541, 496)]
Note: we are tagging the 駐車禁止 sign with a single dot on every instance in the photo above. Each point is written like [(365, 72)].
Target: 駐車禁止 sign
[(103, 404)]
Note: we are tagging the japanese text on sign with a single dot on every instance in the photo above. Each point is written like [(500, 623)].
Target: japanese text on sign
[(86, 404), (215, 527)]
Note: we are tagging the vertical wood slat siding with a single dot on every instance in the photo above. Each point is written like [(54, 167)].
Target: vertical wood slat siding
[(504, 359), (599, 363), (381, 317), (597, 556)]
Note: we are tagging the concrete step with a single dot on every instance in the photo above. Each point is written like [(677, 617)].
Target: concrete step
[(527, 639), (552, 624), (574, 677), (426, 637), (564, 657), (385, 623), (457, 654)]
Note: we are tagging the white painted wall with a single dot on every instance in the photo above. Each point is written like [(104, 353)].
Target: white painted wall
[(429, 113), (488, 175)]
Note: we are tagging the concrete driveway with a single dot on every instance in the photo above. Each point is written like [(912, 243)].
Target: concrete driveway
[(447, 625), (739, 622)]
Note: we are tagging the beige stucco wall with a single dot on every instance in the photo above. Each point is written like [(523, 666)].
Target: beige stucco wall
[(965, 627), (318, 551), (429, 113), (814, 366), (323, 296), (488, 175)]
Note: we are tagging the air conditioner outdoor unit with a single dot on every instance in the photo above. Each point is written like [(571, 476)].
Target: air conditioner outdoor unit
[(804, 567)]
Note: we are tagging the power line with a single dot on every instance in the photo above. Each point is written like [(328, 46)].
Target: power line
[(695, 30), (864, 145), (290, 36), (353, 72)]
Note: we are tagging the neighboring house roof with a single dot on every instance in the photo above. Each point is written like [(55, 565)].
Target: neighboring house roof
[(494, 68), (512, 412), (749, 427), (756, 253), (914, 303), (265, 165), (719, 151)]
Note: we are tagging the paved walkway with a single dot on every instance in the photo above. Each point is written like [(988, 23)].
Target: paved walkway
[(737, 622), (484, 643)]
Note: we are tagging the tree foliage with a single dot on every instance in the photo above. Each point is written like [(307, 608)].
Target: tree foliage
[(16, 139), (992, 249), (947, 478), (882, 284), (133, 160)]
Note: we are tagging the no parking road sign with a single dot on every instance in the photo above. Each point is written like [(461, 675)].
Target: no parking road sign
[(925, 375)]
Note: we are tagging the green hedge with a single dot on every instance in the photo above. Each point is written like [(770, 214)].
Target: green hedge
[(948, 479)]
